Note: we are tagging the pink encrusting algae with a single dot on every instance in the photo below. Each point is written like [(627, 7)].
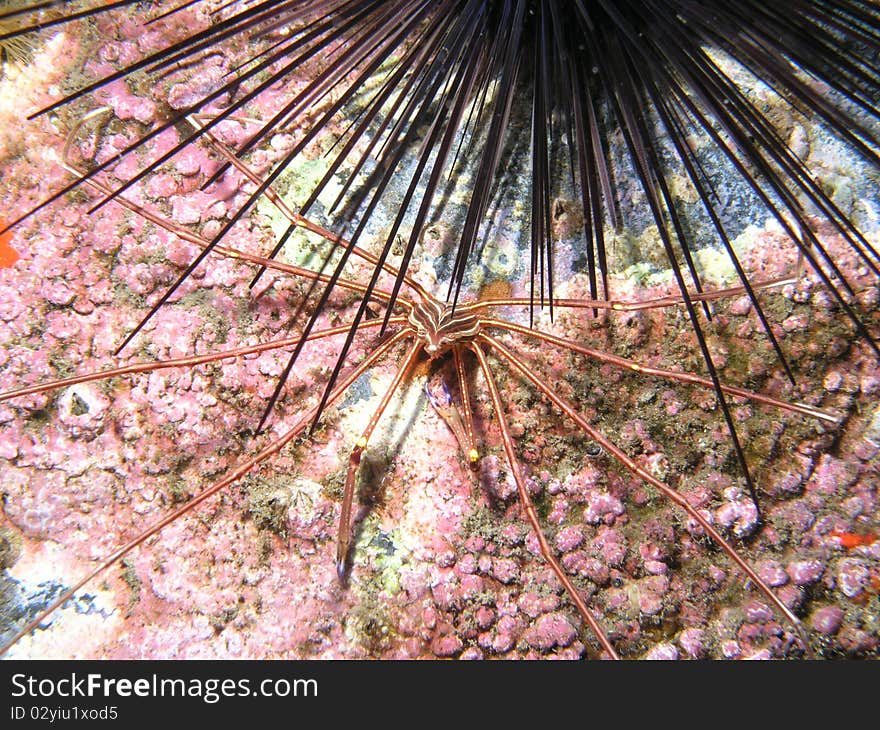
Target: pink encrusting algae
[(444, 564)]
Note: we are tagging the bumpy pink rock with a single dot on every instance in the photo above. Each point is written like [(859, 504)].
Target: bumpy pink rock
[(827, 620)]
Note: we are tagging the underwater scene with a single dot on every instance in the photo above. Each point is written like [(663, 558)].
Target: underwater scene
[(422, 330)]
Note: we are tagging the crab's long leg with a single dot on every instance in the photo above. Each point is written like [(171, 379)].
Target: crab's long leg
[(190, 361), (682, 377), (472, 455), (529, 508), (228, 251), (297, 219), (448, 411), (461, 427), (241, 470), (569, 410), (343, 541), (624, 305)]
